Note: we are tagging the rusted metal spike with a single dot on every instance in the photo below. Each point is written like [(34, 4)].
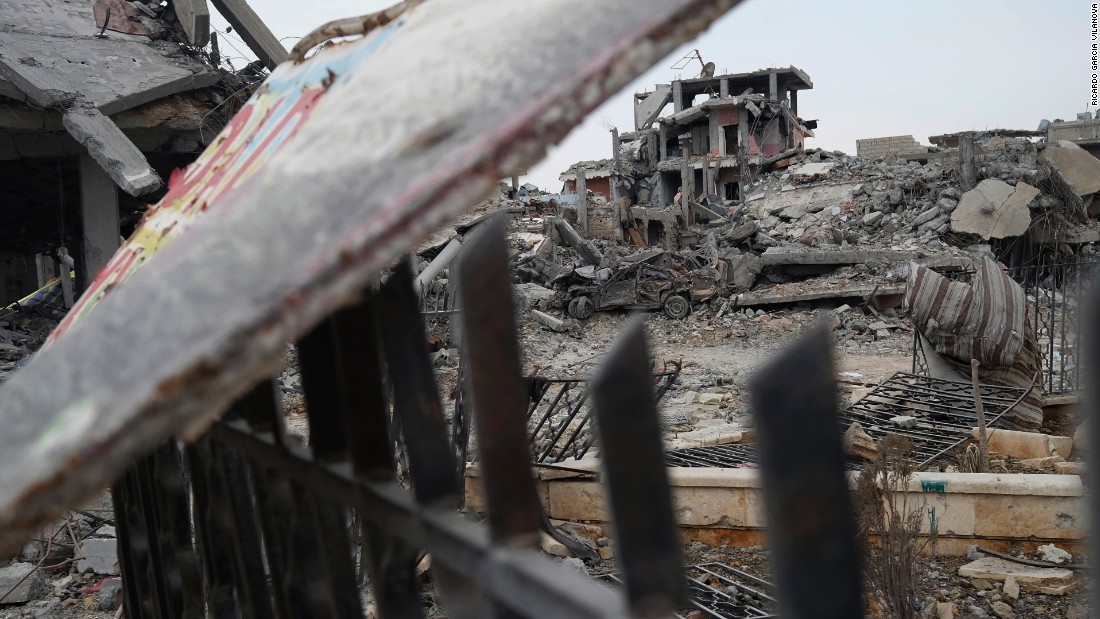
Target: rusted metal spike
[(811, 523), (216, 535), (320, 367), (252, 589), (183, 576), (416, 396), (637, 482), (390, 561), (361, 391), (497, 389), (279, 507)]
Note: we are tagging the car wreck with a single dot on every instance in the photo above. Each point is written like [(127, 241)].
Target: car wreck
[(638, 285)]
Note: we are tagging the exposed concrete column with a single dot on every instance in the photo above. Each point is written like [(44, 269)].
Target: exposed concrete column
[(773, 86), (968, 174), (515, 187), (687, 178), (677, 96), (717, 135), (582, 203), (743, 129), (663, 146), (613, 178), (44, 268), (707, 180), (98, 219), (724, 89)]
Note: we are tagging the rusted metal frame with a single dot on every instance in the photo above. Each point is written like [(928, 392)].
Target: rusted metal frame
[(144, 495), (217, 536), (521, 580), (990, 424), (550, 409), (249, 572), (416, 395), (461, 424), (573, 411), (811, 522), (390, 562), (497, 388), (132, 548), (647, 542), (136, 548), (329, 416), (717, 456), (497, 392), (290, 539), (760, 588)]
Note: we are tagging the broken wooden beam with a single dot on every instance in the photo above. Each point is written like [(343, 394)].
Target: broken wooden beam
[(194, 16), (111, 149), (585, 248), (257, 36)]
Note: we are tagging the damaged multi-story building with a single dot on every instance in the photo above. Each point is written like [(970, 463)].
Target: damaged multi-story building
[(675, 169), (101, 101)]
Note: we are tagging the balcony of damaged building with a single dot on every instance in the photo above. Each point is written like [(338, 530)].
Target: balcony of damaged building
[(102, 102)]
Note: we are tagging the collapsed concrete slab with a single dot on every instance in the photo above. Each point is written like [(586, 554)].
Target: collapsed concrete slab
[(1051, 580), (994, 209), (1077, 167)]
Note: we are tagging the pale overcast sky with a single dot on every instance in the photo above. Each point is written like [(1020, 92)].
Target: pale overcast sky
[(878, 67)]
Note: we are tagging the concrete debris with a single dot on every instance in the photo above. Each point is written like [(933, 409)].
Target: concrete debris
[(1076, 166), (100, 555), (994, 209), (858, 443), (22, 582), (1030, 578), (1012, 588), (1054, 554), (1027, 445), (1002, 610), (549, 321)]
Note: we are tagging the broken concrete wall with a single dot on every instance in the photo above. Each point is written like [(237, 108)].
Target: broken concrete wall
[(876, 148)]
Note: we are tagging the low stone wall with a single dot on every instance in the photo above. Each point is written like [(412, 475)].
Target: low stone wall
[(724, 506)]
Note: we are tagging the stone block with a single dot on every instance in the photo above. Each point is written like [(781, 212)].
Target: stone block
[(100, 556), (31, 588), (1028, 577), (1075, 165), (1027, 445)]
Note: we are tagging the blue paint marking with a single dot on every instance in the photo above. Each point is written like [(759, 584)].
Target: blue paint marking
[(928, 485)]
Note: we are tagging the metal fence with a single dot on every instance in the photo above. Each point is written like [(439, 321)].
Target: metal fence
[(940, 415), (248, 522), (559, 414), (1054, 294)]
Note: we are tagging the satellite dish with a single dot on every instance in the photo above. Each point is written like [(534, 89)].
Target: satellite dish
[(708, 70)]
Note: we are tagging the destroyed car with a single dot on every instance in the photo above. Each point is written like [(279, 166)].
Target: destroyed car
[(629, 286)]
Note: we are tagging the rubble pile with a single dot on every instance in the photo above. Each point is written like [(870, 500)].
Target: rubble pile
[(833, 199)]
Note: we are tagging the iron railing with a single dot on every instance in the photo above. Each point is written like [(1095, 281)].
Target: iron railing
[(248, 522), (559, 414), (942, 410)]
